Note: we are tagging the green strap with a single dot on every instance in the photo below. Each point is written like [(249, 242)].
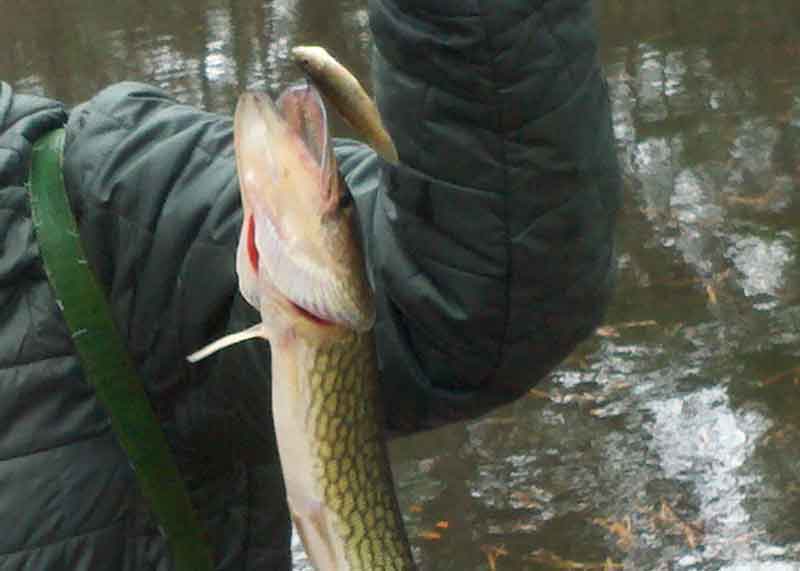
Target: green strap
[(105, 361)]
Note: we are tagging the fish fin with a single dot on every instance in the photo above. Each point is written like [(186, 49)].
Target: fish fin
[(311, 524), (227, 341)]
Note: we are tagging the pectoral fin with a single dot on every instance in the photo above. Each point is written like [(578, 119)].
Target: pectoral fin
[(227, 341)]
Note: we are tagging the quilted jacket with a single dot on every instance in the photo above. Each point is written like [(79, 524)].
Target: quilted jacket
[(490, 248)]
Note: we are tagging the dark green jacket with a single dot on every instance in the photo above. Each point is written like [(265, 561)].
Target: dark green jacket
[(490, 248)]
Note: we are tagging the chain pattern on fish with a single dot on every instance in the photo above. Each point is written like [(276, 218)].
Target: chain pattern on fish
[(352, 466)]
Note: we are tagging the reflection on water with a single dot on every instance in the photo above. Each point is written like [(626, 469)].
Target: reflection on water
[(204, 52), (669, 441), (761, 265), (700, 440)]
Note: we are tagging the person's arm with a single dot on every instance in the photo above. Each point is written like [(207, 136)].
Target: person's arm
[(153, 186), (491, 244)]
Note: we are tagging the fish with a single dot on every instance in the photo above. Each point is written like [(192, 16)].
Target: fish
[(300, 263), (346, 94)]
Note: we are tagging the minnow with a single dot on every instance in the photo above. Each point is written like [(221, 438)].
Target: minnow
[(348, 97), (300, 263)]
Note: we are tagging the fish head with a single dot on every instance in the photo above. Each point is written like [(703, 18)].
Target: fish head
[(299, 258)]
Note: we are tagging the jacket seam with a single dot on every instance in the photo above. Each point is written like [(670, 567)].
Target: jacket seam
[(248, 517), (110, 209), (431, 337), (39, 547), (29, 362), (100, 434), (120, 124), (427, 258), (560, 43), (98, 108), (509, 269)]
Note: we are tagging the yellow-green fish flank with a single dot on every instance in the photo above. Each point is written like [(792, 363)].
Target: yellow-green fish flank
[(337, 386)]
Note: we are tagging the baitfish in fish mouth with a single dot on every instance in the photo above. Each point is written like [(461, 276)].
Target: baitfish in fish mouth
[(345, 93), (300, 263)]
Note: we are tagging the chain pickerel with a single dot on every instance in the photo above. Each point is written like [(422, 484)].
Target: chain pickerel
[(300, 263)]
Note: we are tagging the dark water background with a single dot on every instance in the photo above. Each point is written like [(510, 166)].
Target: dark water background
[(669, 441)]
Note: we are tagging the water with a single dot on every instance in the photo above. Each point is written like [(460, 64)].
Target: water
[(670, 440)]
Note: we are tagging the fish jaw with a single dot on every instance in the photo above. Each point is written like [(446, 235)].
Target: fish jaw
[(299, 258)]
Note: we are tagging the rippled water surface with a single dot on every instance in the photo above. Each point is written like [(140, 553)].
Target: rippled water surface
[(669, 441)]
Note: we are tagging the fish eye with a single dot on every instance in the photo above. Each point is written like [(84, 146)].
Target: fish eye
[(345, 196), (345, 199)]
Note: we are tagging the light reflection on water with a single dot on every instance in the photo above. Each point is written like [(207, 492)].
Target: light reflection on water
[(220, 66), (701, 441), (283, 25), (761, 264)]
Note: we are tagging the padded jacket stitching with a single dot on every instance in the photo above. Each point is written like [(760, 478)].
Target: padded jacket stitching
[(509, 271)]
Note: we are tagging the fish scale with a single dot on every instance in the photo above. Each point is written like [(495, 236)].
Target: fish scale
[(351, 463)]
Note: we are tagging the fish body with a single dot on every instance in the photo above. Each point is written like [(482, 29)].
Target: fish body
[(300, 263), (346, 94), (339, 483)]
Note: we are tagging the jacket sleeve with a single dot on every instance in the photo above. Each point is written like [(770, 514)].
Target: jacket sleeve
[(153, 186), (491, 245)]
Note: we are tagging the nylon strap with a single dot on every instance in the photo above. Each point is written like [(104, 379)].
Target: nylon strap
[(106, 362)]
